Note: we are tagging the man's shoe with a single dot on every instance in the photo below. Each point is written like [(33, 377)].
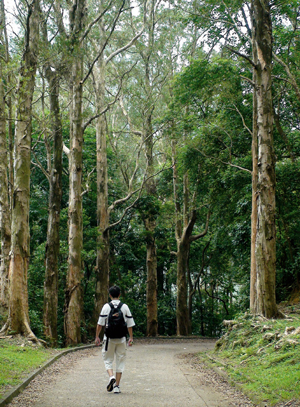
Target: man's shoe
[(117, 389), (111, 383)]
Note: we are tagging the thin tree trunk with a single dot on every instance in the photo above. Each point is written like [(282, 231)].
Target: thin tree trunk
[(184, 238), (74, 293), (150, 225), (5, 232), (55, 194), (182, 314), (292, 79), (182, 311), (152, 319), (286, 231), (10, 151), (265, 249), (201, 311), (103, 211), (151, 258), (74, 296), (102, 267), (253, 293), (18, 320), (193, 285), (8, 101), (283, 136), (212, 309), (150, 220)]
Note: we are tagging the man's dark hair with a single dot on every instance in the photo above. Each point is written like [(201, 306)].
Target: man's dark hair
[(114, 291)]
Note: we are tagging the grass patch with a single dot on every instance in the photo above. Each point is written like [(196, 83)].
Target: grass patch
[(262, 356), (18, 358)]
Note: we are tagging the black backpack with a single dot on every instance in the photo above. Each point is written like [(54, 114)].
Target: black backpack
[(116, 325)]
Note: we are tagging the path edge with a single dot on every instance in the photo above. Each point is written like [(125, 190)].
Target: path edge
[(7, 398), (237, 385)]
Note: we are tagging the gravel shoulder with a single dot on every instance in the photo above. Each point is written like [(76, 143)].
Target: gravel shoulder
[(158, 373)]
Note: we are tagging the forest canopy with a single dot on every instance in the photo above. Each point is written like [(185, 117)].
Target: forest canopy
[(150, 144)]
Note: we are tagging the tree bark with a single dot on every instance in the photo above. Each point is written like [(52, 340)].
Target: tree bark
[(151, 255), (18, 320), (184, 238), (201, 311), (74, 299), (182, 311), (5, 231), (150, 220), (74, 293), (103, 211), (8, 101), (151, 293), (253, 277), (102, 266), (265, 246), (194, 284), (55, 194)]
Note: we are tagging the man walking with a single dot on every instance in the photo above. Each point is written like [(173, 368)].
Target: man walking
[(114, 317)]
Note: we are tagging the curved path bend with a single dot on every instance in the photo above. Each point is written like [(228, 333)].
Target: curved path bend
[(158, 373)]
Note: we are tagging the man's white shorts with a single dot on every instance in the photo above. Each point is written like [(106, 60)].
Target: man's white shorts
[(115, 347)]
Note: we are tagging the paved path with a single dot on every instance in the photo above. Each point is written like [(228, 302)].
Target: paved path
[(156, 375)]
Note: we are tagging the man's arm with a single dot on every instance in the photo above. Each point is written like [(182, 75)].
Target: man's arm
[(130, 341), (98, 331)]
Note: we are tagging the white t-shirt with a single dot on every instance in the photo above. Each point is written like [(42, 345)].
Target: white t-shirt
[(126, 314)]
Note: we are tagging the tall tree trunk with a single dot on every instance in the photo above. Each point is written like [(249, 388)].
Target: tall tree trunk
[(265, 248), (184, 239), (55, 194), (74, 292), (194, 284), (102, 266), (182, 311), (5, 232), (18, 320), (253, 293), (74, 295), (201, 312), (151, 293), (150, 220), (103, 211), (150, 225), (8, 100), (10, 149)]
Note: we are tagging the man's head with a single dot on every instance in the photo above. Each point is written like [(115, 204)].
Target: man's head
[(114, 291)]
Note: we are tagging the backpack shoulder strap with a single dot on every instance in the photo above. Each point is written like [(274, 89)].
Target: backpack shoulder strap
[(111, 305), (120, 305)]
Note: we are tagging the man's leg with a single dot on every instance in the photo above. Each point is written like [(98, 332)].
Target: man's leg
[(108, 357), (118, 378), (120, 361), (110, 372)]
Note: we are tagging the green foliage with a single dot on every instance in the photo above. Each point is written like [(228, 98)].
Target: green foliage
[(206, 109), (148, 207), (204, 80), (128, 270), (288, 243), (208, 106), (17, 359), (36, 274), (167, 314), (261, 356)]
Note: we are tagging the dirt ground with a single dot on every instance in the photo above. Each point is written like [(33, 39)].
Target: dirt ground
[(158, 373)]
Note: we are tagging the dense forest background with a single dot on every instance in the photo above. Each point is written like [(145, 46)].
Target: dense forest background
[(147, 107)]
